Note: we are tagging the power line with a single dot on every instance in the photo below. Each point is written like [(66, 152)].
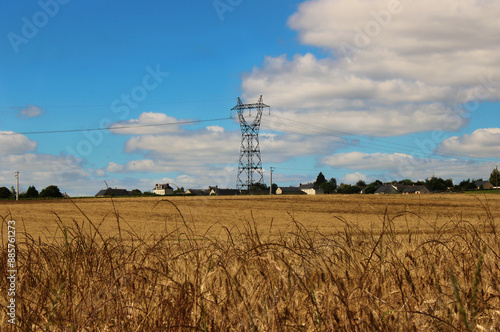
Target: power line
[(115, 128)]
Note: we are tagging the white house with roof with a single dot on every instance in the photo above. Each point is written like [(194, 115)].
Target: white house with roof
[(163, 189), (310, 189)]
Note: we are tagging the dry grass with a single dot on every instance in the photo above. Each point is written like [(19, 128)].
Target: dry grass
[(392, 273)]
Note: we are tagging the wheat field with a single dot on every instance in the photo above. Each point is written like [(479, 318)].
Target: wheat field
[(324, 263)]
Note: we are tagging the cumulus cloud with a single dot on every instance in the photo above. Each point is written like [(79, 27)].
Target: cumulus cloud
[(187, 148), (401, 166), (482, 143), (146, 123), (43, 170), (30, 111), (216, 129), (13, 143), (445, 43), (406, 66), (352, 178)]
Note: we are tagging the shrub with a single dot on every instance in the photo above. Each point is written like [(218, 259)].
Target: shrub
[(51, 191), (5, 192)]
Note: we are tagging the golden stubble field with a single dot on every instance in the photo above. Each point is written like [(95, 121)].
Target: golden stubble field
[(208, 215), (297, 263)]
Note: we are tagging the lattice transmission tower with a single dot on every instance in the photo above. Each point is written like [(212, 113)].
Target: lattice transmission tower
[(250, 164)]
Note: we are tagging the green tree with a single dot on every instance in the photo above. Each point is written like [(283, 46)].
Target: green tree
[(259, 188), (4, 192), (437, 184), (31, 192), (51, 191), (361, 183), (329, 187), (320, 180), (467, 184), (348, 189), (179, 191), (371, 189), (136, 192), (495, 177)]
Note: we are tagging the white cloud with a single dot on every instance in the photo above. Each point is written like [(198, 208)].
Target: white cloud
[(114, 167), (30, 111), (352, 178), (13, 143), (215, 129), (187, 148), (446, 43), (414, 67), (146, 123), (372, 161), (374, 121), (482, 143), (401, 166), (43, 170)]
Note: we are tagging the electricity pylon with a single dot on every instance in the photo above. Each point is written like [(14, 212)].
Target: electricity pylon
[(250, 162)]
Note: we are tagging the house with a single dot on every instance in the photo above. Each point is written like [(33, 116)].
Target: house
[(198, 192), (216, 191), (396, 188), (484, 185), (110, 192), (289, 191), (387, 189), (163, 189), (416, 190), (392, 188), (310, 189)]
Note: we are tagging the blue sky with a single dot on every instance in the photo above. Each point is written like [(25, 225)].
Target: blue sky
[(358, 89)]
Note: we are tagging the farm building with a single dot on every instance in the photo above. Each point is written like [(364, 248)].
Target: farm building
[(387, 189), (310, 189), (110, 192), (289, 191), (416, 190), (216, 191), (198, 192), (163, 189), (402, 189), (484, 185)]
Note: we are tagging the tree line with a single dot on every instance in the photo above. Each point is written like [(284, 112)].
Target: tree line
[(435, 184), (48, 192)]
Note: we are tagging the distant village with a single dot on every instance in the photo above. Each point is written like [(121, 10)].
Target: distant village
[(321, 187)]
